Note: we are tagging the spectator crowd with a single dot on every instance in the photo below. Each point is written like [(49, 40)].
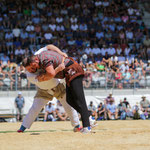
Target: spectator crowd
[(107, 37), (107, 109)]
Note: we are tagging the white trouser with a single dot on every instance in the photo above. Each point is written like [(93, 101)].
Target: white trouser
[(38, 104)]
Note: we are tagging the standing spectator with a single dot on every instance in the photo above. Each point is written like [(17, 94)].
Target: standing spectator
[(19, 103)]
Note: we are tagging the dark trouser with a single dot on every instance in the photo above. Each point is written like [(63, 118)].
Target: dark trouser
[(75, 98)]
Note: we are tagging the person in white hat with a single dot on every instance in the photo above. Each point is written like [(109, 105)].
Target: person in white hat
[(19, 103)]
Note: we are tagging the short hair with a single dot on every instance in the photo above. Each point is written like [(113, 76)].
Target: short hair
[(26, 61)]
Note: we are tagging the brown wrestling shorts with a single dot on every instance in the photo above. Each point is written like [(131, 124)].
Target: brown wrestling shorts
[(59, 92), (72, 71)]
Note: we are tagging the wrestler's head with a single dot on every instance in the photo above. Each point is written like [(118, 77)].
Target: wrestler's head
[(31, 63)]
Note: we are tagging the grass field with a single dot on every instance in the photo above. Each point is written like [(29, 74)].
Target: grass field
[(108, 135)]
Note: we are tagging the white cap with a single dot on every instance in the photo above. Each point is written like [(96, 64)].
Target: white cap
[(19, 93), (90, 62), (84, 56), (110, 93)]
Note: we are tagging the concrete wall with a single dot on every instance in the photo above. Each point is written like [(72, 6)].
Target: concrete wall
[(7, 98)]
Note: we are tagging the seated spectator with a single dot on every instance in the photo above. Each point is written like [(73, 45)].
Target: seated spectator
[(110, 77), (111, 50), (8, 80), (95, 78), (92, 110), (103, 50), (90, 66), (115, 66), (128, 108), (47, 36), (100, 66), (100, 111), (137, 113), (107, 99), (121, 58), (122, 110), (4, 60), (136, 76), (112, 110), (32, 37), (87, 80), (106, 102), (146, 42), (147, 69), (2, 77), (19, 52), (22, 78), (130, 58), (16, 31), (127, 50), (144, 103), (138, 36), (148, 52), (50, 114), (96, 52), (126, 78), (118, 79), (60, 112), (129, 35), (106, 59), (113, 59), (121, 35), (118, 50)]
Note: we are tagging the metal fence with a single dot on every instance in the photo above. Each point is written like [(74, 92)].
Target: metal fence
[(103, 81)]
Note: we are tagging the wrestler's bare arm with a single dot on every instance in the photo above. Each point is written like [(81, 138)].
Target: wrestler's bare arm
[(50, 72), (54, 48)]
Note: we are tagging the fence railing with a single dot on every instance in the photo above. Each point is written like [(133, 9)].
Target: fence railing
[(20, 82)]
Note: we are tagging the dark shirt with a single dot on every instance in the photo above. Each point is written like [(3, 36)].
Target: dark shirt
[(106, 57), (126, 103)]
